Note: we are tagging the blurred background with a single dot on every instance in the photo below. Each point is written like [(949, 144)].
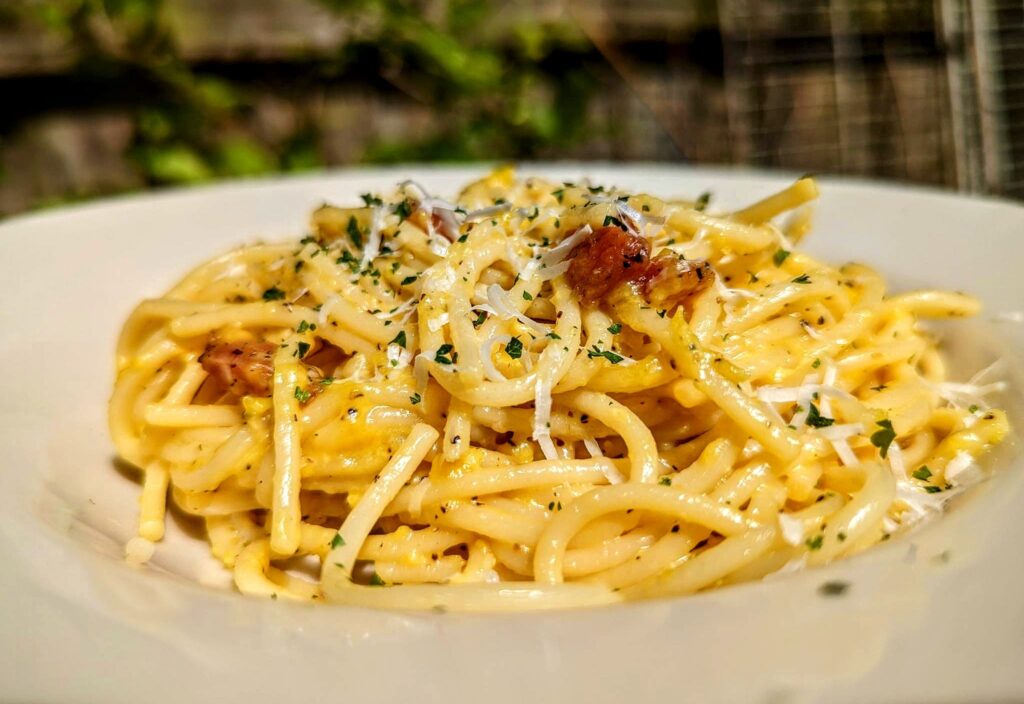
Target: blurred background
[(100, 97)]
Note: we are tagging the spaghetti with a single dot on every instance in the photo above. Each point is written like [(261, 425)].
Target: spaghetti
[(540, 395)]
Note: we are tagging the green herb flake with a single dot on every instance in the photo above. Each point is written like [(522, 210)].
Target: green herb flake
[(615, 328), (702, 201), (780, 256), (816, 364), (337, 541), (301, 349), (922, 473), (403, 210), (612, 220), (973, 408), (527, 296), (347, 259), (371, 200), (883, 437), (415, 398), (273, 294), (410, 279), (399, 339), (816, 420), (554, 336), (353, 232), (932, 489), (816, 542), (441, 356), (665, 481), (514, 348), (376, 581), (481, 316), (802, 279), (833, 588), (596, 351), (301, 395), (303, 327)]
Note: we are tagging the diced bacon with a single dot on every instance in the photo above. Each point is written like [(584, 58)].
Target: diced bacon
[(611, 257), (246, 369), (606, 259), (670, 279)]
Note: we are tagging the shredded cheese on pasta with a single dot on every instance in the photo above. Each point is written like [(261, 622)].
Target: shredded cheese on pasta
[(415, 397)]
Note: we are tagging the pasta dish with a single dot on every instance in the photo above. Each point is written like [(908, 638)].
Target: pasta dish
[(541, 395)]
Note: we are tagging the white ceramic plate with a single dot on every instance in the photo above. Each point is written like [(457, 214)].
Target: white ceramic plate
[(935, 616)]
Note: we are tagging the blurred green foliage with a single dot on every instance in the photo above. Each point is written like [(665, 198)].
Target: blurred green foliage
[(506, 86)]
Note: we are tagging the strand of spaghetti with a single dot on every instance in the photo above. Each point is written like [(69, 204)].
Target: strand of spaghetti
[(226, 461), (275, 315), (153, 501), (936, 304), (337, 568), (285, 514), (799, 193), (864, 512), (711, 565), (557, 355), (552, 543), (497, 480), (457, 430), (643, 452), (747, 412)]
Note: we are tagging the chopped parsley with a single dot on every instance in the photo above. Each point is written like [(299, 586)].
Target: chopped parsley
[(665, 481), (415, 398), (932, 489), (816, 542), (376, 581), (780, 256), (403, 210), (612, 220), (371, 200), (301, 349), (833, 588), (816, 364), (481, 316), (554, 336), (301, 395), (347, 259), (399, 339), (816, 420), (527, 296), (973, 408), (441, 356), (596, 351), (303, 327), (559, 194), (463, 238), (922, 473), (353, 232), (273, 294), (410, 279), (883, 437), (802, 279), (337, 541), (615, 328), (702, 201), (514, 348)]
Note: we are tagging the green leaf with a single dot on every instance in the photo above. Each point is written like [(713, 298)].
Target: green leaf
[(816, 420), (514, 348), (883, 437), (780, 256)]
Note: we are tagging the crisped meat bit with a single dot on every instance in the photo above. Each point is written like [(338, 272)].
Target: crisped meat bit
[(246, 369), (670, 279), (606, 259)]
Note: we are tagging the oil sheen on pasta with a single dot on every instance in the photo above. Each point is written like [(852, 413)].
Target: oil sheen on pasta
[(412, 406)]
